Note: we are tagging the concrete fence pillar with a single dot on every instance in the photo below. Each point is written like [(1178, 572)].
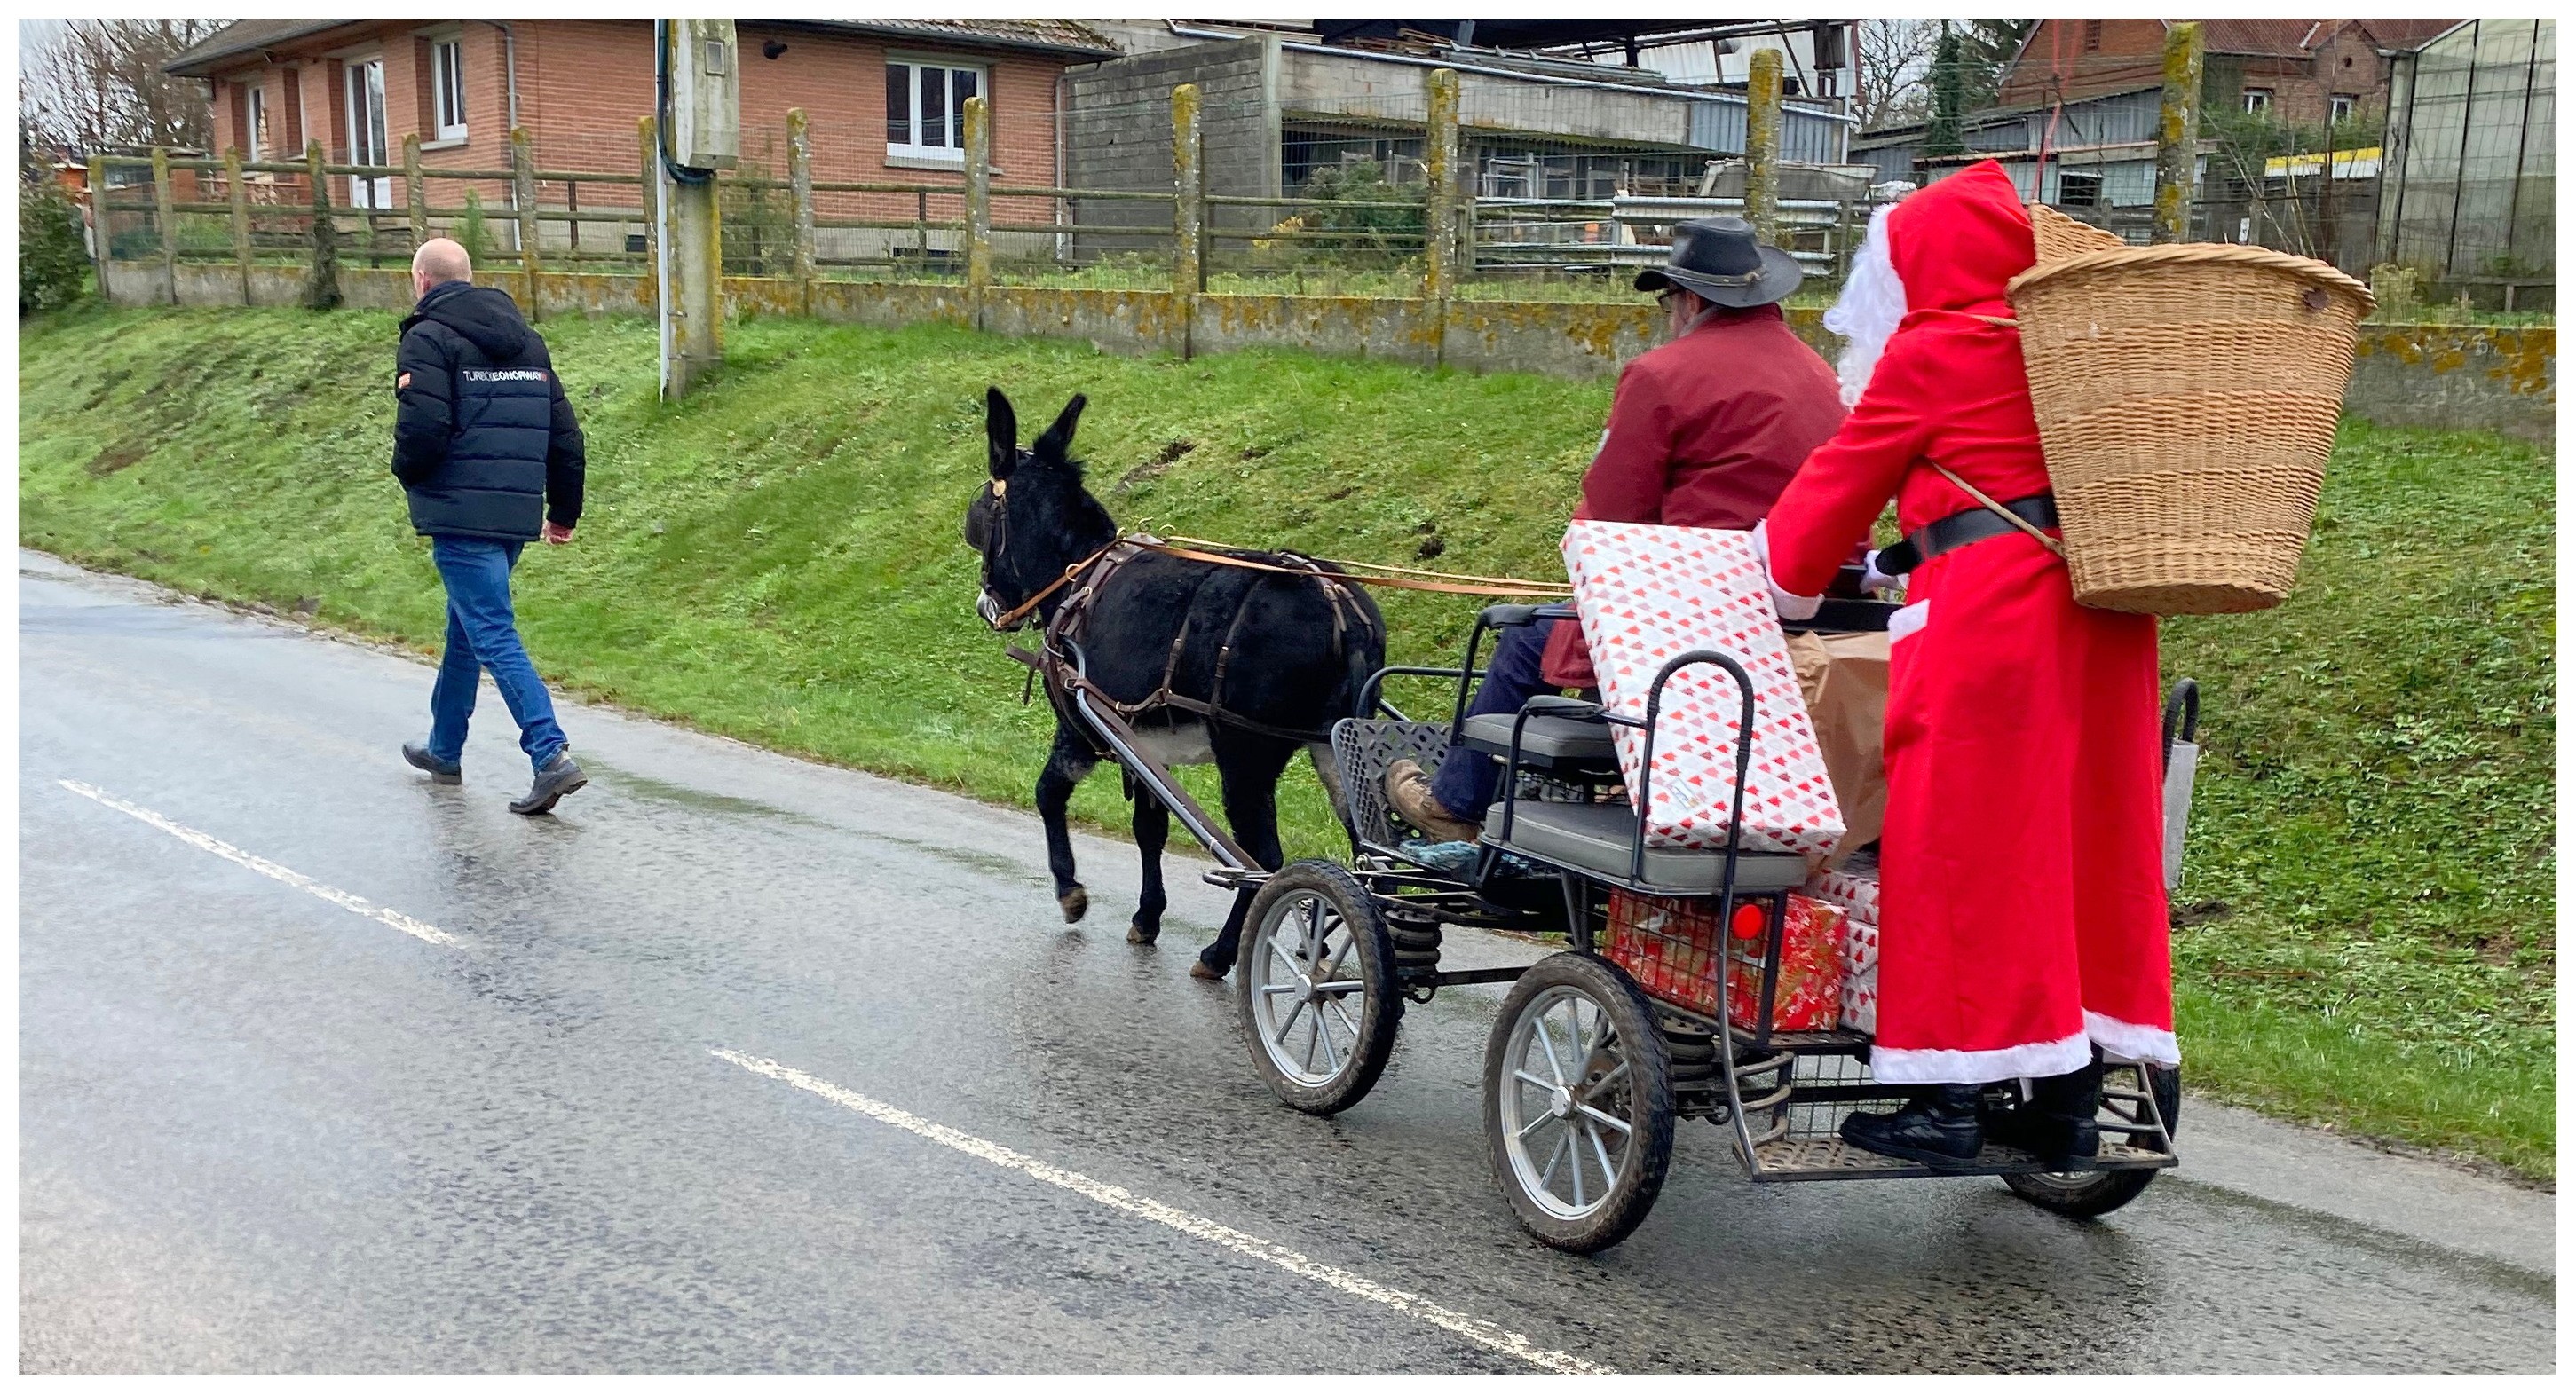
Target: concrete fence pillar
[(2178, 135), (523, 193), (1762, 147), (415, 190), (979, 204), (239, 192), (162, 203), (322, 284), (800, 184), (1189, 194), (1439, 187), (99, 252)]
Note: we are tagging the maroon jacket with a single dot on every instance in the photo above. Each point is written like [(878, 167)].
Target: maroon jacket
[(1704, 433)]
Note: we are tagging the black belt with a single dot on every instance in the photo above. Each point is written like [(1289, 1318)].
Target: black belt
[(1962, 528)]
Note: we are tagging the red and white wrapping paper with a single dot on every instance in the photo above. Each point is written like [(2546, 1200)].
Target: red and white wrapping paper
[(1856, 892), (1860, 1001), (1648, 593), (1853, 890)]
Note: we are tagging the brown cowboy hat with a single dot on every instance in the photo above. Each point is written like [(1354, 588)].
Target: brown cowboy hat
[(1718, 260)]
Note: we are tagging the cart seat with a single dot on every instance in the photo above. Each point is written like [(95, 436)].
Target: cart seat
[(1602, 838), (1546, 741)]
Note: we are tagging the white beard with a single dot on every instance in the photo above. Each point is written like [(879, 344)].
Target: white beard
[(1872, 305)]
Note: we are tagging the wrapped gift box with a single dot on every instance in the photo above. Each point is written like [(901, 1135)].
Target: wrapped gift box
[(1860, 1001), (1809, 991), (1648, 593), (1854, 890), (1860, 946), (1670, 945)]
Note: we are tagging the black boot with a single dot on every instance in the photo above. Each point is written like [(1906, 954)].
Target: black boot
[(2057, 1123), (1939, 1127)]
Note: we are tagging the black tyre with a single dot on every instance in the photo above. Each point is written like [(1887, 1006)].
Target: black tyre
[(1315, 986), (1578, 1103), (2084, 1195)]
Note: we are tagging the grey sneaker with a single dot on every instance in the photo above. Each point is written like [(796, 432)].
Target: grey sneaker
[(441, 772), (558, 778)]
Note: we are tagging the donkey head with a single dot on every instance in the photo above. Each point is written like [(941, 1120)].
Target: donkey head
[(1034, 518)]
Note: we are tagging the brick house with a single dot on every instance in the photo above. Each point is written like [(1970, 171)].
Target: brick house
[(2301, 71), (579, 86)]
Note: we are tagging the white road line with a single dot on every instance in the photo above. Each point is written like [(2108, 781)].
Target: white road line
[(1477, 1330), (347, 901)]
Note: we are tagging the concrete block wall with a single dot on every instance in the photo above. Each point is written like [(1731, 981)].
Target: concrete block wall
[(1121, 135), (2452, 377)]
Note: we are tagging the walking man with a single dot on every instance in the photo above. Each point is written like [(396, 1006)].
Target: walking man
[(490, 457)]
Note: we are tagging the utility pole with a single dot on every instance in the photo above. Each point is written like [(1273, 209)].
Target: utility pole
[(698, 127), (1762, 146), (2178, 135)]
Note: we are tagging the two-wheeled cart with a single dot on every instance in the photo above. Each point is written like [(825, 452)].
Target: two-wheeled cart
[(1586, 1074)]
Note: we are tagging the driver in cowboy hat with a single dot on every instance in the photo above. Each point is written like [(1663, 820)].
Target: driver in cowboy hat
[(1705, 432)]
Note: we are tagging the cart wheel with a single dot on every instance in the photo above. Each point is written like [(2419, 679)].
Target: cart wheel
[(1578, 1103), (2087, 1194), (1315, 983)]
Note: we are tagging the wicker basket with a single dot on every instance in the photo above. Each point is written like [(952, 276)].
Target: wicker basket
[(2187, 398), (2055, 237)]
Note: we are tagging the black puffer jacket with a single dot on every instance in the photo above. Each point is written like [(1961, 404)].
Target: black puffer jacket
[(484, 440)]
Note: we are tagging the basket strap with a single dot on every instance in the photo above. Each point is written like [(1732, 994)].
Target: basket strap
[(1987, 502)]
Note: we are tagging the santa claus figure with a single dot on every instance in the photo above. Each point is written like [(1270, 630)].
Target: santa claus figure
[(2023, 929)]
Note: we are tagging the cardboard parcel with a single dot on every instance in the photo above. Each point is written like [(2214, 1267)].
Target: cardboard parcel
[(1844, 679), (1648, 594)]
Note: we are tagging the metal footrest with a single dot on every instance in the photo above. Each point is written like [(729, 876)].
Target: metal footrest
[(1814, 1157)]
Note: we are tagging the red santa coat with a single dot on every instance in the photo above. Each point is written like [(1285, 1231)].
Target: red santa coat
[(2022, 912), (1704, 433)]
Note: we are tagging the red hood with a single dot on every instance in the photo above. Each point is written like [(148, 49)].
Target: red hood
[(1956, 242)]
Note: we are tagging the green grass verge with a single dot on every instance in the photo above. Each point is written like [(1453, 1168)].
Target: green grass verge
[(2367, 934)]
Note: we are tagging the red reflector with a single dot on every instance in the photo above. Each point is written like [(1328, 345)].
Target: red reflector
[(1749, 921)]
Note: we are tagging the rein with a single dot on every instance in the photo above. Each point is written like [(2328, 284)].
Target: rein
[(1408, 578)]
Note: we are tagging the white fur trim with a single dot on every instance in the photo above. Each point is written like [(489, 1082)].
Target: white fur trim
[(1895, 1066), (1790, 605), (1908, 620), (2128, 1040), (1872, 305)]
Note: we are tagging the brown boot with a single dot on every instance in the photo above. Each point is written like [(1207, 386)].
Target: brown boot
[(1409, 791)]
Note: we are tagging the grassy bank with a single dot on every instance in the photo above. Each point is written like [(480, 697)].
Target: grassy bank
[(2365, 929)]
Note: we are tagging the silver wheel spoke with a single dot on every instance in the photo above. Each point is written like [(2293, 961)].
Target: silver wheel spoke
[(1523, 1075), (1332, 1060), (1609, 1174), (1545, 1177), (1524, 1130), (1574, 1154), (1276, 988), (1344, 1013), (1348, 985), (1620, 1124), (1289, 1021), (1547, 1045), (1286, 958)]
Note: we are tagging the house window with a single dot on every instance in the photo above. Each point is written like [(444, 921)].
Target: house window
[(2258, 100), (2092, 35), (2340, 106), (447, 88), (926, 108), (255, 138), (2080, 190)]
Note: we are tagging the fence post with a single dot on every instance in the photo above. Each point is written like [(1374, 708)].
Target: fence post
[(415, 190), (99, 251), (161, 201), (979, 204), (650, 167), (240, 195), (523, 192), (2178, 135), (1439, 186), (1762, 147), (1189, 194), (322, 287), (800, 184)]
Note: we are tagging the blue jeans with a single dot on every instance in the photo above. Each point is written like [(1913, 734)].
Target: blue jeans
[(1466, 782), (483, 634)]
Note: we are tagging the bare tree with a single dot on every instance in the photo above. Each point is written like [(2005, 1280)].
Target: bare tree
[(1895, 59), (101, 82)]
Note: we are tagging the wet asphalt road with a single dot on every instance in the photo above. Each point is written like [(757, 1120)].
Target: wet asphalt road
[(259, 1132)]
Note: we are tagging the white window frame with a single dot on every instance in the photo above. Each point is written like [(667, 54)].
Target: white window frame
[(446, 79), (2258, 100), (255, 114), (952, 156), (363, 99), (2342, 106)]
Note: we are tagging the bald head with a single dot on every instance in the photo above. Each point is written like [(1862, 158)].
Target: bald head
[(439, 261)]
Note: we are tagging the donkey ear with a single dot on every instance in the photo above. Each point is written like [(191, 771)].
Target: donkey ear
[(1001, 432), (1059, 437)]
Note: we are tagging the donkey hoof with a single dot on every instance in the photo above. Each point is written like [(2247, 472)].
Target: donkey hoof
[(1075, 903), (1140, 933), (1200, 970)]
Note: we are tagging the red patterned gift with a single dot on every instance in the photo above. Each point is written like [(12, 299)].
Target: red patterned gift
[(1808, 996), (1648, 593), (1669, 946), (1856, 892)]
